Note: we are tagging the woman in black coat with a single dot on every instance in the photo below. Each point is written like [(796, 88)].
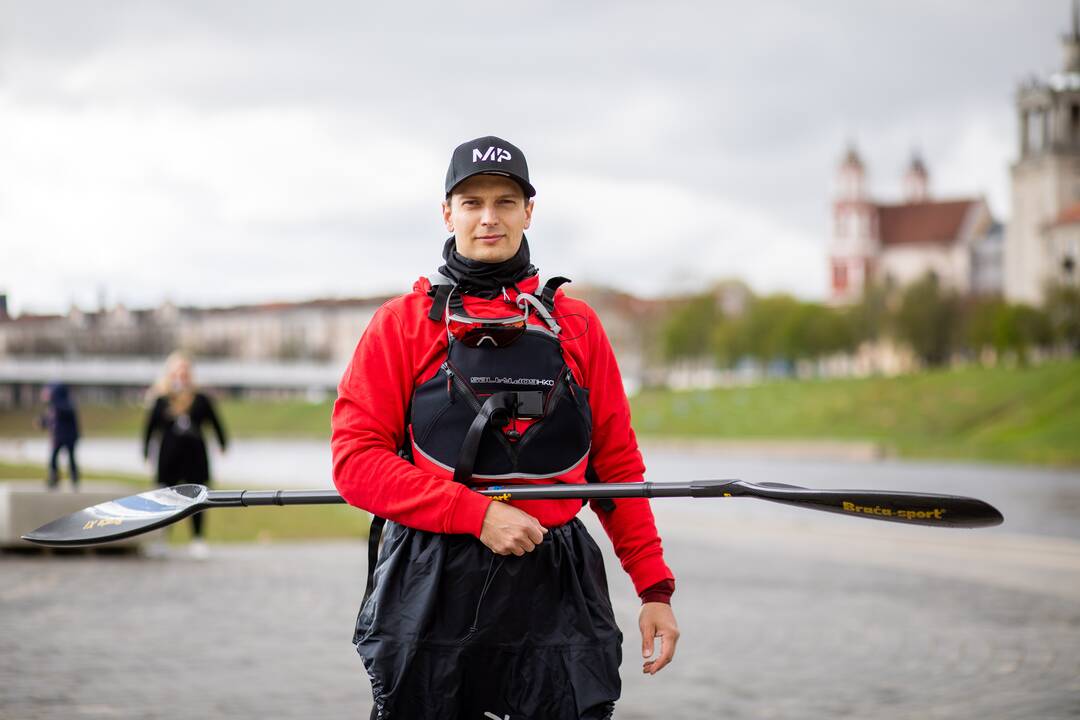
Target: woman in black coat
[(177, 417)]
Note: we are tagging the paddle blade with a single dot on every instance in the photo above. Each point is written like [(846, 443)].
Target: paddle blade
[(903, 507), (121, 518)]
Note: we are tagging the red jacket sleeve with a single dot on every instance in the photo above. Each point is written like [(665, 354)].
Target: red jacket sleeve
[(616, 458), (368, 428)]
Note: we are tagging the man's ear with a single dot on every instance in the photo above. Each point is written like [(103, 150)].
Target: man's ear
[(446, 214), (528, 213)]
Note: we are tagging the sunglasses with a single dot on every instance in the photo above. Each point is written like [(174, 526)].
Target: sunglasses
[(486, 332), (477, 332)]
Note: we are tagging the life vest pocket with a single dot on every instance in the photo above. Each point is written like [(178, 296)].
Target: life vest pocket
[(562, 439), (430, 401)]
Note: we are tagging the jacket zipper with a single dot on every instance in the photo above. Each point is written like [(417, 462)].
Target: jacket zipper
[(445, 367), (570, 382), (454, 381)]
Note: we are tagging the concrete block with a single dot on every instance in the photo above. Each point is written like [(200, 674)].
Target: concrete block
[(27, 505)]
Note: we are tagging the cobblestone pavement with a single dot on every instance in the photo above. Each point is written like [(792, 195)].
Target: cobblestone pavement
[(784, 615)]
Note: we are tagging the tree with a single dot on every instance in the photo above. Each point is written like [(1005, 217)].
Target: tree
[(1063, 311), (996, 324), (781, 328), (688, 331), (869, 319), (981, 320), (1033, 326), (928, 319)]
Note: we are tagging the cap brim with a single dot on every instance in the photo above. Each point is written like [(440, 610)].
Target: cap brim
[(530, 191)]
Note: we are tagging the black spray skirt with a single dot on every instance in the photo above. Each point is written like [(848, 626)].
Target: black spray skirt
[(452, 630)]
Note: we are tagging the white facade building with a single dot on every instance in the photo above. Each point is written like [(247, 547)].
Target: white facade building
[(1045, 176)]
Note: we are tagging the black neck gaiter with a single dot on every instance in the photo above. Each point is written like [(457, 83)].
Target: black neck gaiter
[(483, 279)]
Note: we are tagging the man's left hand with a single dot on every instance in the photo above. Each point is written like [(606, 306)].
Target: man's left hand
[(657, 621)]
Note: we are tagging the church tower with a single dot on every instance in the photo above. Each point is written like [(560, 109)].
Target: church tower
[(854, 238), (916, 181), (1046, 174)]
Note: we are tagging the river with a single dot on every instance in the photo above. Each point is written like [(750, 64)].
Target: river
[(1034, 500)]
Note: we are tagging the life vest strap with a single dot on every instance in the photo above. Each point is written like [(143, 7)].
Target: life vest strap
[(440, 294), (547, 295), (496, 411)]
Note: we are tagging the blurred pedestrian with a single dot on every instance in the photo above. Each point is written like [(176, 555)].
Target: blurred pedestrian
[(176, 417), (62, 421)]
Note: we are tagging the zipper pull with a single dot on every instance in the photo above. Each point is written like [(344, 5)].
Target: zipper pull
[(570, 382), (449, 380)]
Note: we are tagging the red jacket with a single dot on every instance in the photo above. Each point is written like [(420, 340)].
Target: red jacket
[(400, 349)]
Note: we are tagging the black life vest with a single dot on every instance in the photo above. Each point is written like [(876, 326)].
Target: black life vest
[(464, 418)]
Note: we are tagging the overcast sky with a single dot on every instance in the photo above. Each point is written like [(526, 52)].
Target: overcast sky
[(228, 152)]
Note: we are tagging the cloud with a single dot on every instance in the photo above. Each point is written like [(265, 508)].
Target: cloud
[(228, 152), (651, 237)]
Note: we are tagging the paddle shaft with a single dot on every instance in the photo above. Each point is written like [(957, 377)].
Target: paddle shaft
[(903, 507), (700, 488)]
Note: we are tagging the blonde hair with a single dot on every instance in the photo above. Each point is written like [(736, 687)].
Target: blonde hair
[(180, 399)]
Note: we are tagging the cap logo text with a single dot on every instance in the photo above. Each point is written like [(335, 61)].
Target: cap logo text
[(491, 154)]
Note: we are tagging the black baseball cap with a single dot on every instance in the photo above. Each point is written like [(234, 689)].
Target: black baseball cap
[(488, 155)]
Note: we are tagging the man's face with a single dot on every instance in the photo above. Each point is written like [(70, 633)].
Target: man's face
[(489, 215)]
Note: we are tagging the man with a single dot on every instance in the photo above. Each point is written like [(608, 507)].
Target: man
[(480, 376)]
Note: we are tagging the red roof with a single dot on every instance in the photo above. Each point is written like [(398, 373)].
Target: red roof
[(934, 222), (1069, 215)]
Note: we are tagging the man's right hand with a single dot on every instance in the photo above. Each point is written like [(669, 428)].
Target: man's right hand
[(508, 530)]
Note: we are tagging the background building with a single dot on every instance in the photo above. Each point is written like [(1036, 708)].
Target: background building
[(956, 239), (313, 331), (1063, 244), (263, 350), (1045, 179)]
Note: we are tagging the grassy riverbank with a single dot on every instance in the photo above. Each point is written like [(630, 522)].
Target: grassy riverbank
[(1028, 415)]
